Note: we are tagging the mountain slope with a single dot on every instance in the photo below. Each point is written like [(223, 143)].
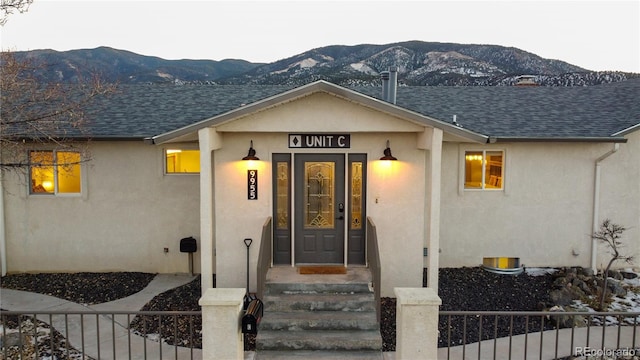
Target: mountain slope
[(114, 65), (419, 63)]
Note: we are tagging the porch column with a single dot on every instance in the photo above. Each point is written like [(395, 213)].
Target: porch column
[(221, 321), (417, 323), (431, 140), (209, 141)]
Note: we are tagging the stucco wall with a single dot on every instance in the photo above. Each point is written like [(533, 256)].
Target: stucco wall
[(620, 197), (127, 214), (544, 214)]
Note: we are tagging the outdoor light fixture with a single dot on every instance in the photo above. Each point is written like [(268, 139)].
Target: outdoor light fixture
[(252, 153), (387, 153)]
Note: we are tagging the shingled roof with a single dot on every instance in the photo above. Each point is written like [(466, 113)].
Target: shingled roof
[(601, 113)]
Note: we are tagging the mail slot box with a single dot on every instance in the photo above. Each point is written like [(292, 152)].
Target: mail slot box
[(188, 245), (252, 317)]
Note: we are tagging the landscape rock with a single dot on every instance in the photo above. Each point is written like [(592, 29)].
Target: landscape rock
[(616, 288), (566, 321), (563, 296)]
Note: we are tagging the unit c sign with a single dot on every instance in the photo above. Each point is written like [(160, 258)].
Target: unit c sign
[(320, 141)]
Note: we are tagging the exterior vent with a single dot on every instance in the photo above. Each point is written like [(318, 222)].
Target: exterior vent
[(389, 84), (502, 265)]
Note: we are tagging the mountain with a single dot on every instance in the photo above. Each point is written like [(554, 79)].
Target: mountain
[(113, 65), (419, 63)]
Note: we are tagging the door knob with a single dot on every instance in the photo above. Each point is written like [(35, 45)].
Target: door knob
[(340, 217)]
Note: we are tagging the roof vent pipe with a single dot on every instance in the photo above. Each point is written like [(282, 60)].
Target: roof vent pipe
[(393, 84), (385, 85)]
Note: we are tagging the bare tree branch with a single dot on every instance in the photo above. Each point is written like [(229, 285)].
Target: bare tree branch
[(8, 7), (611, 234), (35, 112)]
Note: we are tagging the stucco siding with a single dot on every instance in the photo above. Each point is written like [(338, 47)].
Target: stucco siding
[(543, 215), (620, 197), (127, 214)]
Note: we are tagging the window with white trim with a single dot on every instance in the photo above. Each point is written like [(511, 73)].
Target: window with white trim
[(55, 172), (484, 170), (181, 161)]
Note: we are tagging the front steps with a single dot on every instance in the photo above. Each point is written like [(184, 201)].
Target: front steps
[(318, 317)]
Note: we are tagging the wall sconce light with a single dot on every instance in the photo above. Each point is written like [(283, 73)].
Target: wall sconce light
[(252, 153), (387, 153)]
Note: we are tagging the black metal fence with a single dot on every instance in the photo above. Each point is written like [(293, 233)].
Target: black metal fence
[(539, 335), (178, 335), (101, 335)]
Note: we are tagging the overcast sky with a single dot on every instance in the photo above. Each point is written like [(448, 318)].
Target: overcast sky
[(596, 35)]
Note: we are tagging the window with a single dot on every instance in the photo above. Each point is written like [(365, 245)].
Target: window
[(178, 161), (356, 187), (55, 172), (483, 169)]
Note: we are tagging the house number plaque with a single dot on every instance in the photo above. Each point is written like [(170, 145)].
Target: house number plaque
[(252, 184)]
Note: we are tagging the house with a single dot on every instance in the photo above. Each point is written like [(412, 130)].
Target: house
[(514, 172)]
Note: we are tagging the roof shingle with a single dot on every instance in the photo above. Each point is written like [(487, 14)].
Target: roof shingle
[(140, 111)]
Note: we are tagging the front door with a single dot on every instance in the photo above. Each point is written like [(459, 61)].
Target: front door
[(319, 208)]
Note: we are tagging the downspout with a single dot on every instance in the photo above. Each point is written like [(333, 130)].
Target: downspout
[(596, 206), (3, 239)]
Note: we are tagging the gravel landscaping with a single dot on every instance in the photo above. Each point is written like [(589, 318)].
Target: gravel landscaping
[(83, 288), (460, 289)]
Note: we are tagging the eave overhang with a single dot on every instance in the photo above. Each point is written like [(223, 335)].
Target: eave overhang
[(512, 139), (627, 131)]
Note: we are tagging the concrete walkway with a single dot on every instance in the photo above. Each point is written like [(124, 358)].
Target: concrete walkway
[(108, 339), (550, 344)]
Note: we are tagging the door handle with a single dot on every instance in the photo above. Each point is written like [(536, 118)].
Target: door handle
[(340, 217)]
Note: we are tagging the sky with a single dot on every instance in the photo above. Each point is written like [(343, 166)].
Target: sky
[(595, 35)]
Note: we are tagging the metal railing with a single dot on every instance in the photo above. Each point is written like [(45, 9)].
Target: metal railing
[(101, 335), (264, 256), (538, 335), (373, 261), (177, 335)]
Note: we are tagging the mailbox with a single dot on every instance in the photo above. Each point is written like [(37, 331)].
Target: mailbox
[(252, 317), (188, 245)]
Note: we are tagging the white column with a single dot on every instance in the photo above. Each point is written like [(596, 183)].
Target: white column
[(431, 140), (209, 140), (221, 324), (417, 323)]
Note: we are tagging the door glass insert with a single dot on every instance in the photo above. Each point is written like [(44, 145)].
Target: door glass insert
[(319, 194), (282, 195), (356, 195)]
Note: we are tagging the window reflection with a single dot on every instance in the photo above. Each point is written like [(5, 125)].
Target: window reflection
[(483, 169), (180, 161)]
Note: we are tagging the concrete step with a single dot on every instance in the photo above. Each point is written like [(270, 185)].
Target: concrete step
[(318, 317), (319, 302), (369, 340), (316, 288), (319, 355), (319, 320)]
